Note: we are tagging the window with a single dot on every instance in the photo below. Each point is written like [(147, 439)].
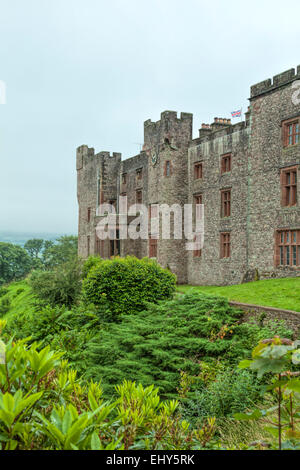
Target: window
[(198, 199), (139, 197), (153, 211), (198, 170), (197, 252), (291, 132), (225, 203), (287, 248), (167, 171), (114, 245), (99, 246), (289, 187), (225, 245), (152, 247), (226, 163), (139, 174), (89, 214), (88, 245), (124, 178), (113, 203)]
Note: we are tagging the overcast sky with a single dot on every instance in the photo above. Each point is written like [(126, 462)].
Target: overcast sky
[(92, 71)]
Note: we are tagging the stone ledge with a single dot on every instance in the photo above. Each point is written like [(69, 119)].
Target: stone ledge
[(291, 317)]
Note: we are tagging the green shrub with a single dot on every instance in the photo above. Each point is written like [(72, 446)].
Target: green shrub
[(4, 305), (19, 291), (62, 286), (90, 263), (3, 291), (231, 391), (277, 358), (43, 405), (128, 284), (173, 336), (67, 330)]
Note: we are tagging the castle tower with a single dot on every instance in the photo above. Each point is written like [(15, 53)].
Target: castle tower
[(97, 176), (166, 145)]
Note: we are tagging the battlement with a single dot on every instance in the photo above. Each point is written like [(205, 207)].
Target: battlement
[(104, 154), (85, 150), (170, 116), (278, 81)]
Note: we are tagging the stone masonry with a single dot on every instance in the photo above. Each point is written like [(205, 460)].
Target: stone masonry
[(263, 223)]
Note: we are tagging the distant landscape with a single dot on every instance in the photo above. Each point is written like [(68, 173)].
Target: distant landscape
[(20, 238)]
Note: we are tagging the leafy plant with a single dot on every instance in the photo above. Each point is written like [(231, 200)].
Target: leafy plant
[(5, 303), (61, 286), (278, 356), (43, 405)]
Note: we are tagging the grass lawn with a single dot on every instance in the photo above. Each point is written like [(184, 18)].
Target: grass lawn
[(20, 296), (280, 293)]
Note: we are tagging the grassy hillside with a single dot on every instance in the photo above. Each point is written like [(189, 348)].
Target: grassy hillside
[(21, 298), (280, 293)]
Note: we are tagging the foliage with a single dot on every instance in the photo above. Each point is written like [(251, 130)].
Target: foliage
[(44, 406), (128, 284), (173, 336), (5, 304), (61, 286), (61, 252), (64, 329), (3, 291), (90, 263), (34, 247), (14, 262), (278, 357), (21, 299), (280, 293), (229, 392)]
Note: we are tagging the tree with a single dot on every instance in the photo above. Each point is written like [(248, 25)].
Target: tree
[(15, 262), (63, 251), (60, 286), (34, 247)]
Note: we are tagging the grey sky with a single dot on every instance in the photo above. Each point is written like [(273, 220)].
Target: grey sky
[(90, 72)]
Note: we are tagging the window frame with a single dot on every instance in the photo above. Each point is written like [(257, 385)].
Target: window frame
[(137, 193), (225, 245), (294, 136), (139, 174), (88, 245), (289, 188), (225, 203), (198, 170), (226, 168), (153, 247), (285, 240), (167, 164)]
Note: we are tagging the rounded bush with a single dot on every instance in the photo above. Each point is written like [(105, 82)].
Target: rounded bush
[(127, 284)]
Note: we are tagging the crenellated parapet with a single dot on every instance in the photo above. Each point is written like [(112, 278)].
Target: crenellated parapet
[(169, 129), (278, 81)]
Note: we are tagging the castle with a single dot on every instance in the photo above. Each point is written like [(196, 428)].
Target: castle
[(245, 175)]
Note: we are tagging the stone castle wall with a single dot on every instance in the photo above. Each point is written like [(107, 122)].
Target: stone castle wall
[(257, 158)]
